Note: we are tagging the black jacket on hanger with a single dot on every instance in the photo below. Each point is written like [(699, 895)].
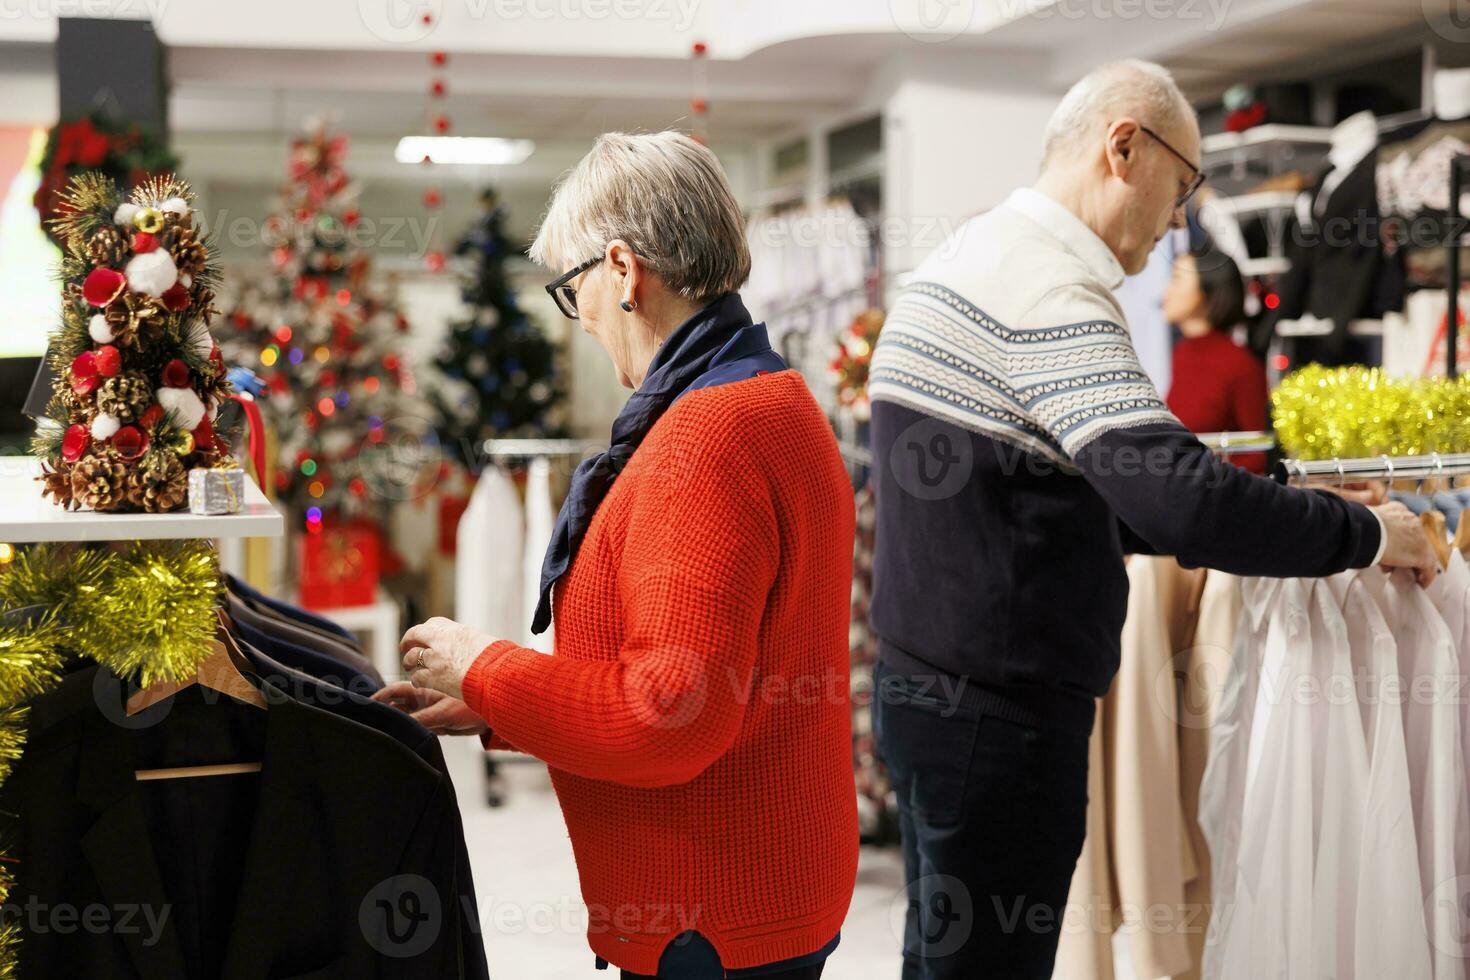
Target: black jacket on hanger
[(338, 859), (1340, 270)]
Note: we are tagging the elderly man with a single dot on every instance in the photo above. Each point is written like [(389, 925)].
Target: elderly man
[(1022, 450)]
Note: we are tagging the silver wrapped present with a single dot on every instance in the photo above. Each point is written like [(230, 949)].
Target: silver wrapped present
[(216, 490)]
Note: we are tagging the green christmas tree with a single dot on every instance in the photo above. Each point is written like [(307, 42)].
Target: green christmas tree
[(325, 336), (504, 377)]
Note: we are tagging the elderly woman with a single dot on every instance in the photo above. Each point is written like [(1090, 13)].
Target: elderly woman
[(695, 714)]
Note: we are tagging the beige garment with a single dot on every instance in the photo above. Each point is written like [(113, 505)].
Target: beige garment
[(1144, 866)]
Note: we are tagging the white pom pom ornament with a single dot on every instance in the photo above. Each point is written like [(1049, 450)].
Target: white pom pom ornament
[(185, 405), (104, 427), (152, 272), (99, 329), (124, 214), (175, 204)]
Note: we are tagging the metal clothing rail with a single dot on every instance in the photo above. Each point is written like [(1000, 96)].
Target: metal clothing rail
[(530, 448), (1230, 443), (1376, 467)]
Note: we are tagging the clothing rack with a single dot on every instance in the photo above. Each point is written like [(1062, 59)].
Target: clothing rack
[(1231, 443), (1376, 467), (531, 448)]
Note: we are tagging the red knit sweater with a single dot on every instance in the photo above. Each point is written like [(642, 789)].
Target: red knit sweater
[(695, 715)]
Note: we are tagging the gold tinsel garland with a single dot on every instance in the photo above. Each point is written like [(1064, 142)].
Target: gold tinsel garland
[(145, 612), (1352, 412)]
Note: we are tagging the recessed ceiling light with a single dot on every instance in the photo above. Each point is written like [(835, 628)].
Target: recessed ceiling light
[(465, 150)]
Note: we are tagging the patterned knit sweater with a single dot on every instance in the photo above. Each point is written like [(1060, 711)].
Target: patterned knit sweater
[(695, 714)]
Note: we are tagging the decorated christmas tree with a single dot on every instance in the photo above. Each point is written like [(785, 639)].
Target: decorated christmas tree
[(324, 334), (138, 378), (504, 376)]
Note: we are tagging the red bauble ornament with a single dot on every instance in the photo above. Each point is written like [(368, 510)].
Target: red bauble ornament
[(176, 374), (432, 198), (700, 48), (441, 123), (428, 19), (699, 105), (434, 261), (144, 242), (85, 386), (280, 256), (108, 361), (437, 88), (357, 486), (204, 434), (102, 286), (151, 417), (241, 321), (84, 366), (175, 298), (130, 443), (438, 59), (75, 442), (218, 359), (351, 216)]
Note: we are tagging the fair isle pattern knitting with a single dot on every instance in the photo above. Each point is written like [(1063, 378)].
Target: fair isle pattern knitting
[(1048, 390)]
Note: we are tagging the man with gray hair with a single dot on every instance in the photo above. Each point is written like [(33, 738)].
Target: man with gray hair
[(1022, 450)]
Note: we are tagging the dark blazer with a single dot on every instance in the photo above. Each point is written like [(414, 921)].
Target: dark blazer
[(335, 672), (1340, 267), (337, 860), (244, 591), (413, 736)]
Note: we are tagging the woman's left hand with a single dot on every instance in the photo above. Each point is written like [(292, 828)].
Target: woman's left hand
[(438, 653)]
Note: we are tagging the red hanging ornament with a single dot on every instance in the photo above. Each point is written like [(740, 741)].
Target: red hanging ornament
[(76, 442), (102, 286), (441, 123), (700, 48), (437, 88), (434, 261), (108, 361), (432, 198), (85, 386), (144, 242), (438, 59), (176, 374), (84, 366), (130, 443), (351, 216), (428, 19), (700, 106)]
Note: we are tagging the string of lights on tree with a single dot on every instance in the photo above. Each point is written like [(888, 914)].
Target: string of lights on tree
[(323, 332)]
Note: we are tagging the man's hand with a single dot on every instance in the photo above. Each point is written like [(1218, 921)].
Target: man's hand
[(1407, 546), (435, 710)]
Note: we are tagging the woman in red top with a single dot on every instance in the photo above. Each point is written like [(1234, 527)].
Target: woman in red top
[(1217, 386), (694, 715)]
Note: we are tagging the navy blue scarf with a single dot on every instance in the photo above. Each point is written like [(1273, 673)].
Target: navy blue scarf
[(715, 345)]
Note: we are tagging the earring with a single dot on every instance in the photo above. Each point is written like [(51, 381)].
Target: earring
[(629, 305)]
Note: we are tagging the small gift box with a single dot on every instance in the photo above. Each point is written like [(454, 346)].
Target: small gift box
[(216, 490)]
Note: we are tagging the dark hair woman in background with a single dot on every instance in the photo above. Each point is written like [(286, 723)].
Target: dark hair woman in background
[(1218, 386)]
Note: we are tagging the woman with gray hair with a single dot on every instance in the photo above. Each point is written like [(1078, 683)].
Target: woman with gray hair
[(694, 715)]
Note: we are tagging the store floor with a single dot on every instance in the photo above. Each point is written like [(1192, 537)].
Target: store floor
[(531, 911)]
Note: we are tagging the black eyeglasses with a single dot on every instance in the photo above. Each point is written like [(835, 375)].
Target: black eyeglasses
[(564, 294), (1194, 182)]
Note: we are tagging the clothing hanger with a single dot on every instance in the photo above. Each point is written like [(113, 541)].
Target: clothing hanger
[(1433, 523), (220, 671)]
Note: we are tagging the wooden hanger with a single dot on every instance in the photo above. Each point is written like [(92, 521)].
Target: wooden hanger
[(220, 671), (1462, 533), (1435, 530)]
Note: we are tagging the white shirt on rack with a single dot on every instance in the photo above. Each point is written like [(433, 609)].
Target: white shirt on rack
[(1390, 939), (1271, 935), (1340, 774), (1436, 761)]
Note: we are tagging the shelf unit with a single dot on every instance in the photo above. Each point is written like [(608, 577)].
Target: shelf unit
[(1312, 327), (26, 517)]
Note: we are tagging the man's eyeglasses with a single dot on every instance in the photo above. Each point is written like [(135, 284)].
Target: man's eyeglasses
[(564, 294), (1194, 182)]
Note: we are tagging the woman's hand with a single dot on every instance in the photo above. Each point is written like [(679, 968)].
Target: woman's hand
[(435, 710), (437, 654)]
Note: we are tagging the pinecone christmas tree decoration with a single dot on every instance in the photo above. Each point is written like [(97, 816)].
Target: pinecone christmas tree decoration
[(108, 246), (125, 397), (56, 483), (189, 253), (160, 484), (99, 482)]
